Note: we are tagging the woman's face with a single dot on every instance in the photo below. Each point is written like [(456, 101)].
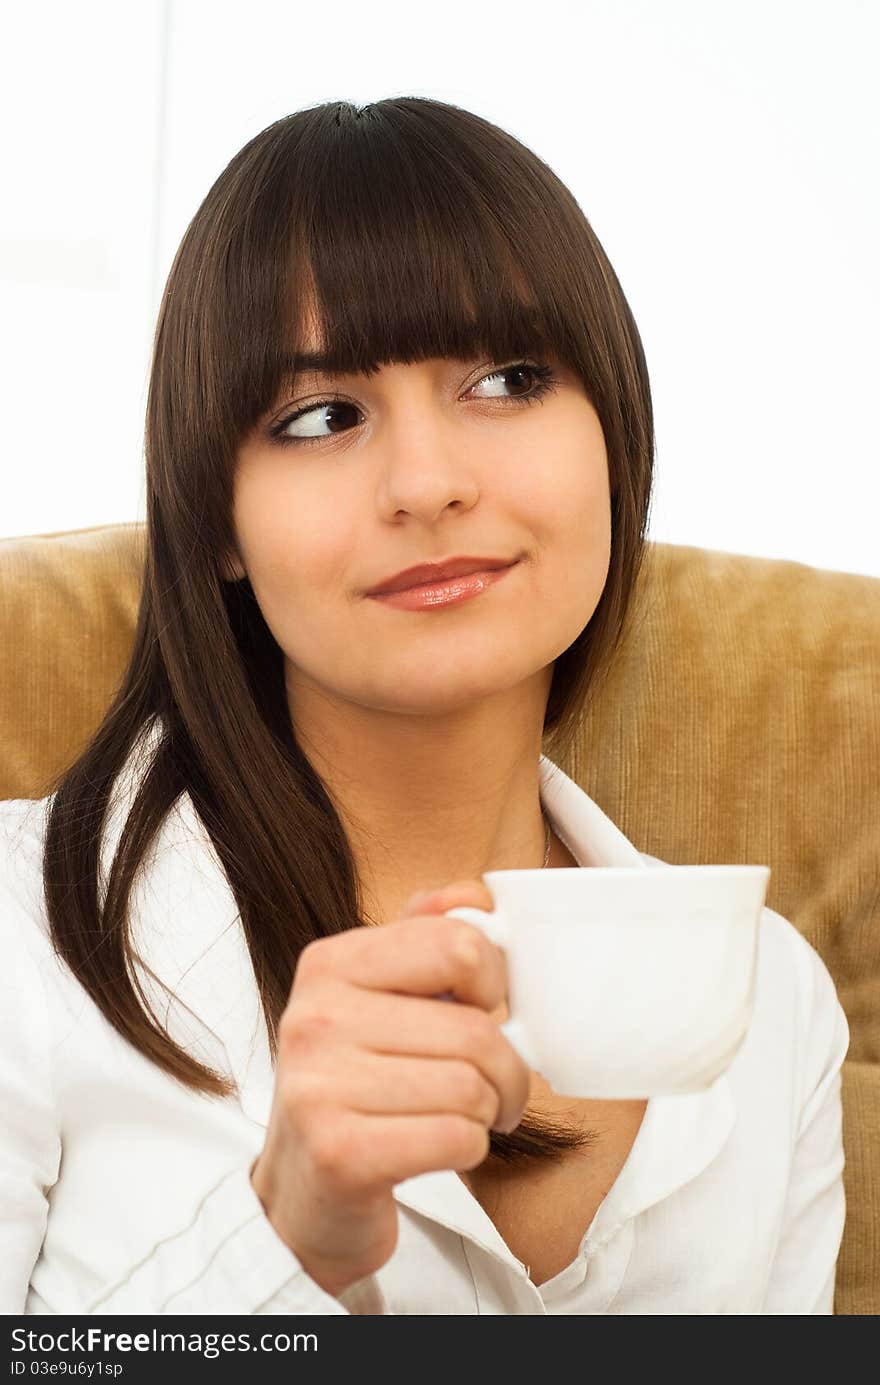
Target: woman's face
[(420, 463)]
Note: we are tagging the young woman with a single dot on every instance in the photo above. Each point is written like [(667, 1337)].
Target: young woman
[(230, 1080)]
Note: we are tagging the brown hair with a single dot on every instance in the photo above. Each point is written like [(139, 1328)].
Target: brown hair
[(417, 230)]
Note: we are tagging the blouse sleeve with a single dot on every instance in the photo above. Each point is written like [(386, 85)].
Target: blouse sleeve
[(30, 1144), (227, 1258), (802, 1275)]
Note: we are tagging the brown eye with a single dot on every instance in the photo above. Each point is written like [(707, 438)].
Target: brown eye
[(333, 410), (530, 382), (518, 374), (541, 376)]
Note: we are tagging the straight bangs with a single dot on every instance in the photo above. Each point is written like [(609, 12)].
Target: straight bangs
[(380, 235)]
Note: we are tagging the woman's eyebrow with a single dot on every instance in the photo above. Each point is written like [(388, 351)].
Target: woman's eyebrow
[(305, 362), (302, 361), (310, 362)]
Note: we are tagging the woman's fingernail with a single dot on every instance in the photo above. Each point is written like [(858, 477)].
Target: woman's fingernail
[(421, 897)]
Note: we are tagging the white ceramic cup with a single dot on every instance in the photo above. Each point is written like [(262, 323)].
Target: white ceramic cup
[(627, 981)]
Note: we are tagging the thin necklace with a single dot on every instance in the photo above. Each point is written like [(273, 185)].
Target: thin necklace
[(547, 847)]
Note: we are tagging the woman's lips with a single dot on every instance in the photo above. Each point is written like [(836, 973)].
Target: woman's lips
[(429, 595)]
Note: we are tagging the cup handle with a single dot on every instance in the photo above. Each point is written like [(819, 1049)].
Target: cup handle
[(517, 1037), (495, 929), (491, 924)]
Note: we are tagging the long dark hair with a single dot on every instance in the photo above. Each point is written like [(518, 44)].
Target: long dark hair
[(418, 230)]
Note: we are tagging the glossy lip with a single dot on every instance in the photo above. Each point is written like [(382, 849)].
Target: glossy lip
[(434, 596), (424, 574)]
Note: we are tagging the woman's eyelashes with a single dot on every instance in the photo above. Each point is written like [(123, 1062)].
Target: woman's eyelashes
[(544, 381)]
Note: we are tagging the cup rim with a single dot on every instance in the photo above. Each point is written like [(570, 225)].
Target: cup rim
[(541, 872)]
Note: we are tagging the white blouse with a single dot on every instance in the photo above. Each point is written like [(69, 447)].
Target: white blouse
[(122, 1191)]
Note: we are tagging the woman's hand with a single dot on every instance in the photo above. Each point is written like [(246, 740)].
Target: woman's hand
[(378, 1080)]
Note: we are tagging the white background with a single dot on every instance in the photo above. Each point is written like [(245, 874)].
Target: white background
[(725, 153)]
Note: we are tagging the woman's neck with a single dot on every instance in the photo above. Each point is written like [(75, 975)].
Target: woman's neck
[(429, 799)]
